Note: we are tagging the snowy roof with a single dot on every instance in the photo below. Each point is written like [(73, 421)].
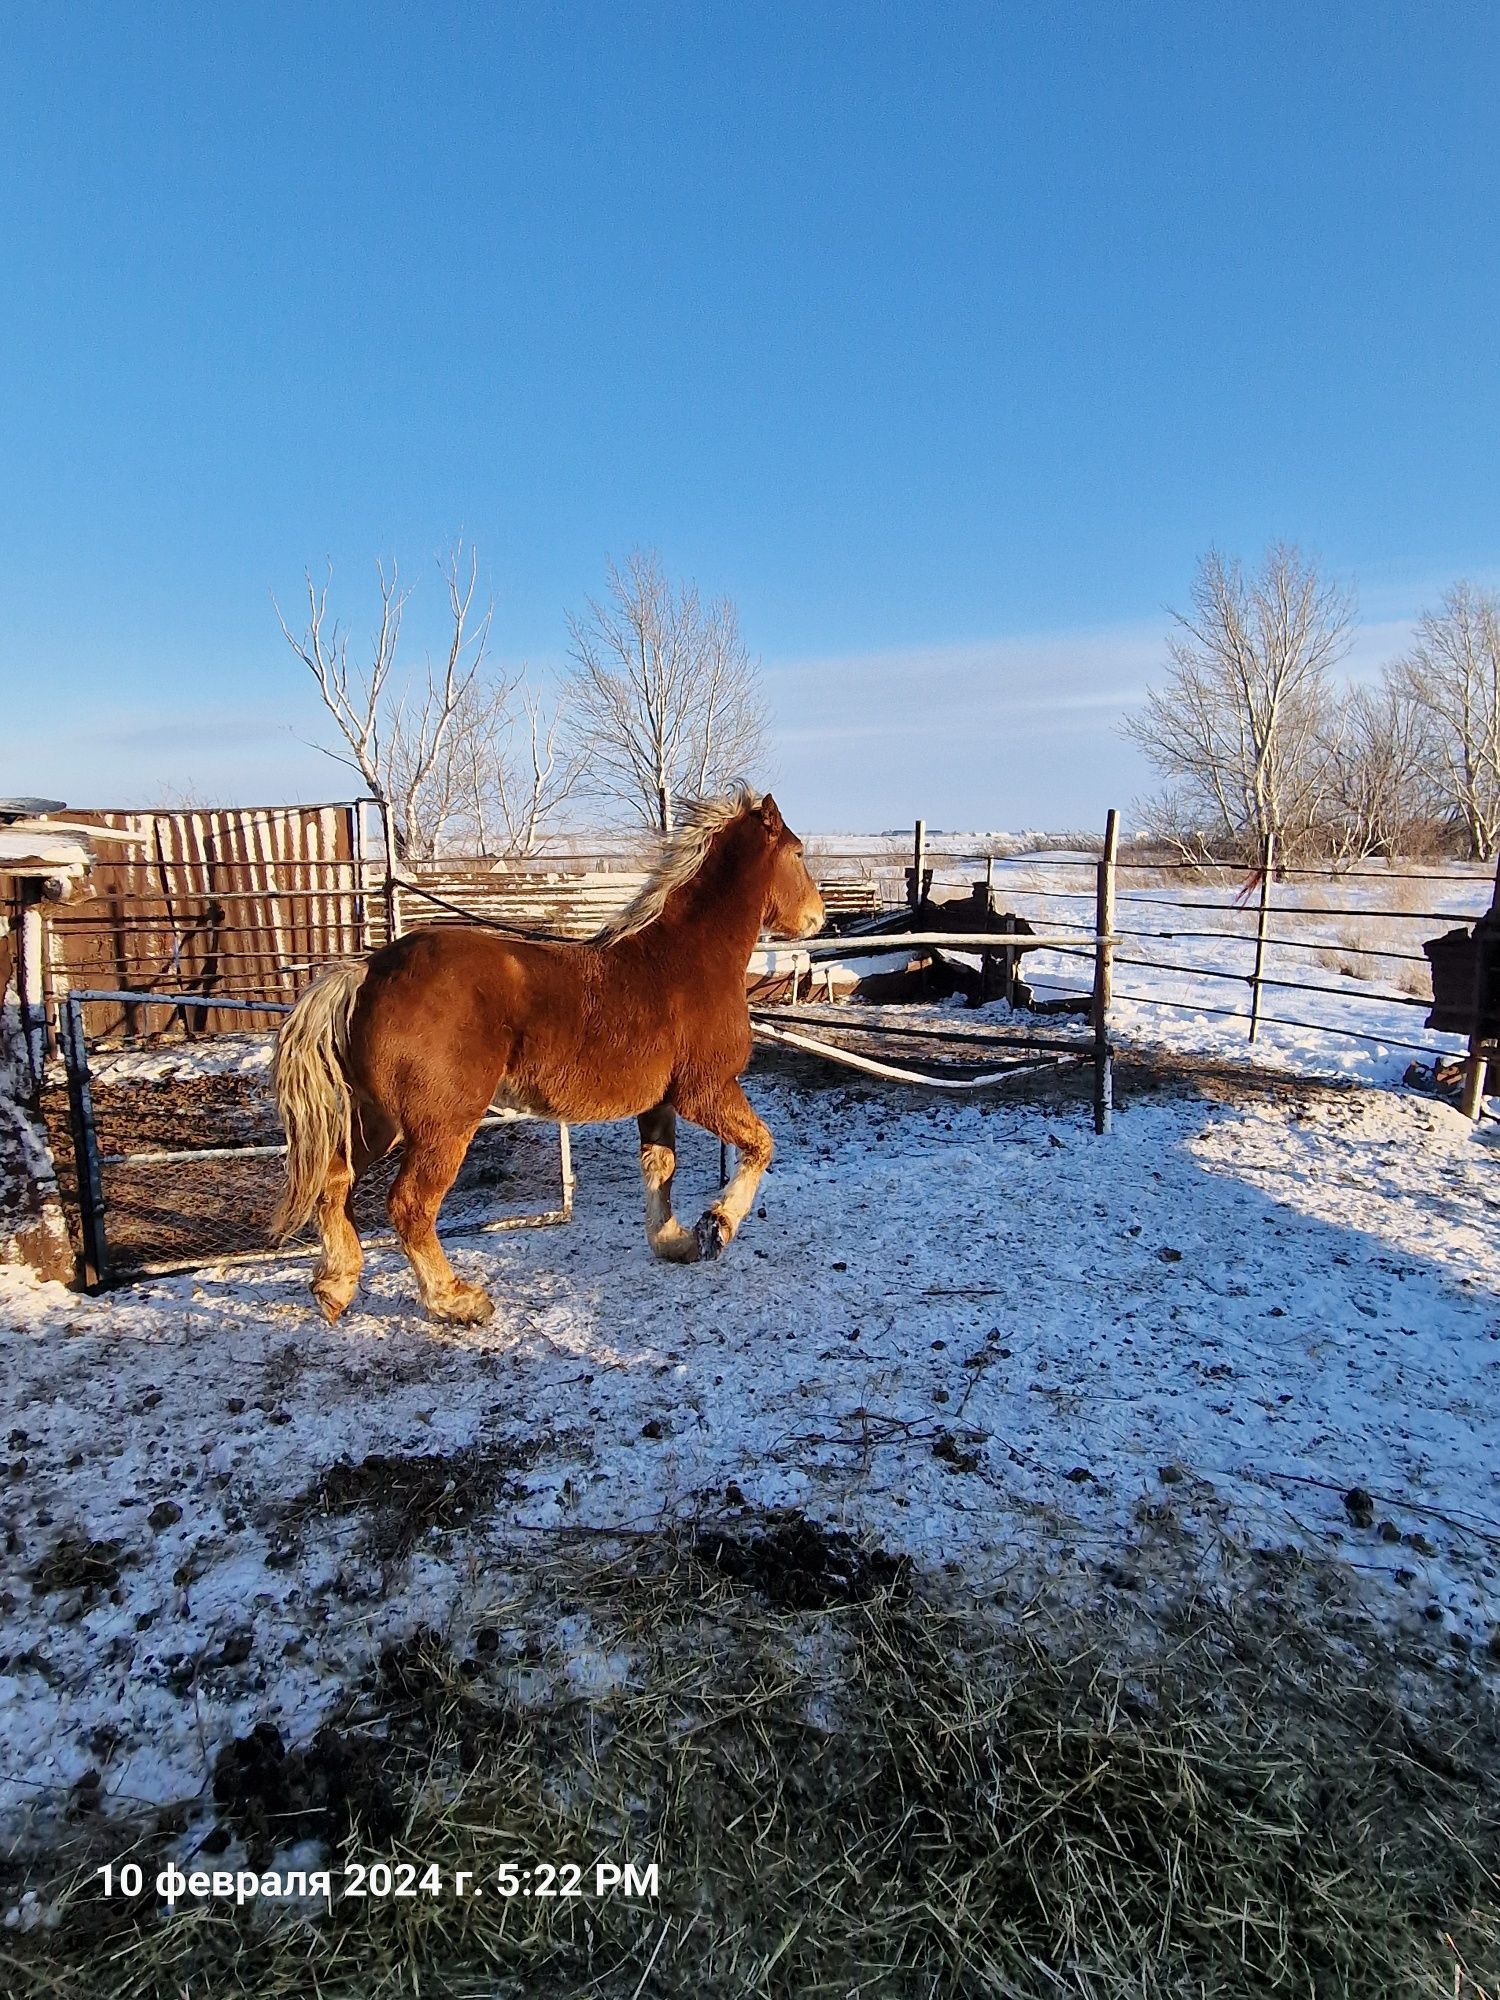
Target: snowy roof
[(34, 848)]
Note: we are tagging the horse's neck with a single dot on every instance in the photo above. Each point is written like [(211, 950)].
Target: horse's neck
[(714, 919)]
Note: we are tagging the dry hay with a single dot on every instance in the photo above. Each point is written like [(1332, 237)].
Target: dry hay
[(853, 1785)]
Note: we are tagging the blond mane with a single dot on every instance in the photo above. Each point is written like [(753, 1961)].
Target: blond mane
[(685, 853)]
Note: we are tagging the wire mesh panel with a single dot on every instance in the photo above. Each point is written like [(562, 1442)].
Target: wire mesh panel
[(169, 1153)]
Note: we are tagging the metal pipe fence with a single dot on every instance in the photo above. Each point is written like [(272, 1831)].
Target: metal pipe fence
[(297, 906)]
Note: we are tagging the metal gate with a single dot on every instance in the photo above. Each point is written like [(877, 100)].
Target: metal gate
[(173, 1151)]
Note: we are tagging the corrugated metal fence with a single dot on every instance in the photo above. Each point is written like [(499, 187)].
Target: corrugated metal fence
[(235, 901)]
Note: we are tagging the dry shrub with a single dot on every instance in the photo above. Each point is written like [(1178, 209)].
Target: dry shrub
[(1352, 957), (862, 1786)]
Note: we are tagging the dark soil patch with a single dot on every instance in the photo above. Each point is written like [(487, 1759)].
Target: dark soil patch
[(74, 1562), (801, 1566), (341, 1781), (405, 1497)]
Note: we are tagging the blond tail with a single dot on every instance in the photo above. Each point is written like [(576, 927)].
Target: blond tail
[(312, 1090)]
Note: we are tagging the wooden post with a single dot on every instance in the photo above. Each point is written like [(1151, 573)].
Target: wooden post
[(1472, 1101), (1267, 868), (392, 885), (1104, 948), (32, 981), (919, 863)]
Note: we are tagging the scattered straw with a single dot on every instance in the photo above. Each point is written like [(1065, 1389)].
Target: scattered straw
[(853, 1784)]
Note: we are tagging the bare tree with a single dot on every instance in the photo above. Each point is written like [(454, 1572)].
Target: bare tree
[(1240, 730), (1378, 757), (1452, 674), (664, 700), (507, 769), (436, 752)]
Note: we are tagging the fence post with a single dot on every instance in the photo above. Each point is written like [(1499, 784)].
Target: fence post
[(392, 885), (95, 1258), (565, 1162), (32, 980), (1104, 950), (1268, 864), (987, 959), (358, 918), (919, 863)]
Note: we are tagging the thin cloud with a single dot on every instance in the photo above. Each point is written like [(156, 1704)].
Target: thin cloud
[(201, 731)]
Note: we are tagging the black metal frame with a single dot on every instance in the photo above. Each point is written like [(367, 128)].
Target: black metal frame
[(96, 1269)]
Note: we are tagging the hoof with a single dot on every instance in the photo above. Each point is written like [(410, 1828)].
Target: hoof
[(465, 1305), (711, 1233), (674, 1244), (331, 1301)]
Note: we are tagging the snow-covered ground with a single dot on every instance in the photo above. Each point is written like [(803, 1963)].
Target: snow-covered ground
[(973, 1332)]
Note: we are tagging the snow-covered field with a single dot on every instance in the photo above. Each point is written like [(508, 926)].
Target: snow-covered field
[(1264, 1312), (975, 1333), (1330, 932)]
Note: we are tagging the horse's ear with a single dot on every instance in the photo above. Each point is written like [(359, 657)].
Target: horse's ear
[(770, 816)]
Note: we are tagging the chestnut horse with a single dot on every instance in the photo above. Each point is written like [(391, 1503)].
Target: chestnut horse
[(647, 1019)]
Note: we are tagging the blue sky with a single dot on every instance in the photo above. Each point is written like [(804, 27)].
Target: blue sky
[(942, 337)]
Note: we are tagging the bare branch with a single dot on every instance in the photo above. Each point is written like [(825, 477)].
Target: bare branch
[(1240, 729), (1452, 676), (437, 753), (664, 699)]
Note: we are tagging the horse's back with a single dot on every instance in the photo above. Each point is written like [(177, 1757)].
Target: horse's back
[(461, 1013)]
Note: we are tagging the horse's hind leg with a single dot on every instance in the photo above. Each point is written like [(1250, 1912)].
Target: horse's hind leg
[(336, 1279), (724, 1110), (666, 1235), (433, 1158)]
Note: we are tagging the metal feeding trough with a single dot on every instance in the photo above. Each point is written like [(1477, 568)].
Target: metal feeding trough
[(1466, 980)]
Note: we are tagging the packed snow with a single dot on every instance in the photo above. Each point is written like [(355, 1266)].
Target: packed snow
[(1265, 1310), (976, 1333)]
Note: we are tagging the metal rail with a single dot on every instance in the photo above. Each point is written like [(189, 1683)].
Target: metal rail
[(851, 1059)]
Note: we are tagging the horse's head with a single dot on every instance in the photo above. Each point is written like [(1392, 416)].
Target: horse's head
[(793, 906)]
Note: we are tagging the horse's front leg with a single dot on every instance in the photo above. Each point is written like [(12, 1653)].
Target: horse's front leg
[(724, 1110), (665, 1234)]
